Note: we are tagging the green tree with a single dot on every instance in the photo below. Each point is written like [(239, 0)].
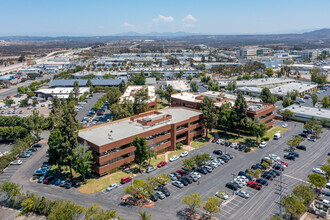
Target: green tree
[(24, 102), (82, 160), (267, 97), (325, 102), (269, 72), (122, 86), (239, 115), (194, 86), (151, 154), (209, 114), (189, 77), (212, 205), (224, 116), (294, 142), (76, 91), (326, 168), (113, 95), (193, 201), (141, 100), (168, 92), (314, 99), (30, 94), (318, 77), (9, 102), (35, 102), (275, 218), (10, 190), (89, 83), (144, 215), (257, 128), (286, 101), (21, 90), (231, 86), (140, 80), (287, 114), (317, 180), (304, 193), (293, 206), (141, 153), (188, 163), (37, 124), (64, 210)]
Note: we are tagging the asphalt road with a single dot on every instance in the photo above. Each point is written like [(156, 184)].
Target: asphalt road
[(83, 112), (261, 205)]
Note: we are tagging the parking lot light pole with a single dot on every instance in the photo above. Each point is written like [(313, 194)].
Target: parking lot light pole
[(233, 182)]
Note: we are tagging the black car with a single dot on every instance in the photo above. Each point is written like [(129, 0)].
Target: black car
[(303, 135), (184, 182), (218, 152), (178, 175), (301, 147), (224, 158), (185, 169), (275, 172), (289, 157), (241, 148), (268, 176), (202, 170), (278, 167), (262, 181), (70, 184), (166, 192), (37, 145), (24, 155), (33, 149), (258, 166), (154, 197), (232, 186), (188, 179), (294, 154), (227, 143)]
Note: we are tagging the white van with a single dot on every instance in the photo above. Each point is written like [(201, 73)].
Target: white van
[(277, 136)]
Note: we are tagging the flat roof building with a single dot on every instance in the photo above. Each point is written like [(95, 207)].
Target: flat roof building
[(130, 92), (111, 143), (179, 85), (82, 82), (264, 82), (302, 113), (60, 92)]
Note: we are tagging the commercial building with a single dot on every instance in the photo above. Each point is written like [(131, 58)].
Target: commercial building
[(263, 82), (247, 52), (60, 92), (302, 113), (111, 143), (264, 111), (83, 82), (283, 90), (130, 92), (179, 85)]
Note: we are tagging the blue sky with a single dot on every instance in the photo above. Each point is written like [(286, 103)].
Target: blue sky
[(106, 17)]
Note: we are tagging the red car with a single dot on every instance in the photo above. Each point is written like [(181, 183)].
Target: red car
[(214, 140), (255, 185), (161, 164), (181, 172), (48, 179), (283, 162), (125, 179)]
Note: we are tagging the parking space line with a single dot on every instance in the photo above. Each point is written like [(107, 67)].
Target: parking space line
[(295, 178)]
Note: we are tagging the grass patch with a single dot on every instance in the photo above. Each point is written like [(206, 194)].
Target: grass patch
[(155, 161), (97, 185), (162, 104), (178, 152), (200, 142)]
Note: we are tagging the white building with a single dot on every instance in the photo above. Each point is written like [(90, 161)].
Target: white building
[(302, 113), (60, 92)]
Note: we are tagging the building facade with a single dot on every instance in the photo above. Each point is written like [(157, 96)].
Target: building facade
[(111, 143)]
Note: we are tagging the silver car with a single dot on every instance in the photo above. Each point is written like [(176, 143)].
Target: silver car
[(112, 186), (243, 194), (160, 195), (173, 177), (177, 184)]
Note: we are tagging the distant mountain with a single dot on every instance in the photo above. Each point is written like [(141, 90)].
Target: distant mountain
[(157, 34), (321, 32)]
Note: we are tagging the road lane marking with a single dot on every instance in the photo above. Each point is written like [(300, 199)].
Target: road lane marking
[(304, 181)]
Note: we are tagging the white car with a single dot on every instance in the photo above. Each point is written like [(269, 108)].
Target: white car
[(222, 195), (328, 184), (274, 157), (263, 144), (177, 184), (233, 145), (184, 154), (243, 194), (174, 158), (112, 186), (285, 125), (196, 174), (319, 171), (220, 141), (16, 162)]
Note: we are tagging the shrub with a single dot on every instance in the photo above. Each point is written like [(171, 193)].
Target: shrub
[(179, 146), (247, 149), (265, 139)]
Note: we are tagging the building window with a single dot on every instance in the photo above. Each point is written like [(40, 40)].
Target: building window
[(265, 116), (157, 135), (195, 122), (117, 158), (181, 127)]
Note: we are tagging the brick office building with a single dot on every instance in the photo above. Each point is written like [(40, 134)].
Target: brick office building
[(264, 111), (111, 143)]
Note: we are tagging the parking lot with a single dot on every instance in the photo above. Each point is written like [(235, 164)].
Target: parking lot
[(261, 204)]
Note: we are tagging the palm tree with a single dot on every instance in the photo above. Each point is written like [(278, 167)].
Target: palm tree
[(144, 215)]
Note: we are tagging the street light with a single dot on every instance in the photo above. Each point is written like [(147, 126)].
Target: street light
[(233, 182)]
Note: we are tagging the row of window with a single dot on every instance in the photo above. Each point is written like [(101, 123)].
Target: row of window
[(265, 116), (196, 122), (159, 143), (157, 135), (181, 127), (196, 129), (117, 158)]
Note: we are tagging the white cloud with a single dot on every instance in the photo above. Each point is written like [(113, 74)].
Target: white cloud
[(127, 25), (189, 18), (164, 19), (189, 21)]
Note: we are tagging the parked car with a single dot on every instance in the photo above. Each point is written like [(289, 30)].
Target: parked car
[(311, 138), (63, 182), (58, 182), (318, 170), (289, 157), (70, 184), (222, 195), (37, 145), (154, 197), (274, 157), (195, 174), (160, 195), (232, 186), (254, 185), (243, 194), (262, 181), (241, 173), (166, 192), (294, 154), (125, 179), (177, 184), (111, 187), (150, 169), (188, 179), (184, 154), (25, 155), (40, 172), (16, 162), (184, 182), (175, 157), (48, 179), (202, 170), (218, 152), (181, 172), (285, 125), (303, 135), (161, 164), (229, 156), (263, 144), (41, 178), (301, 147)]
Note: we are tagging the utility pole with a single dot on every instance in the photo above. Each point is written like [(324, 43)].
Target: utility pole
[(280, 191), (233, 182)]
